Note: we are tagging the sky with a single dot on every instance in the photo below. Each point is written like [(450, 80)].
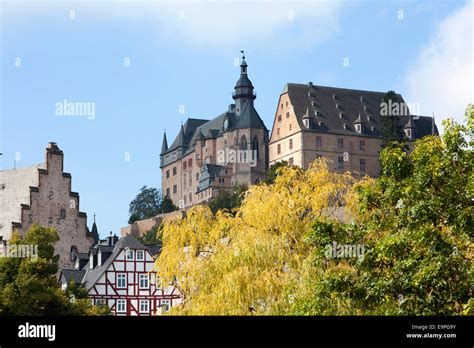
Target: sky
[(148, 66)]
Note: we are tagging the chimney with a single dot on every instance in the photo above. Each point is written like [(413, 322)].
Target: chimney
[(110, 239), (310, 84)]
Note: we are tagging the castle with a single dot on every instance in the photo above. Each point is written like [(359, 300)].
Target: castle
[(342, 125), (209, 156)]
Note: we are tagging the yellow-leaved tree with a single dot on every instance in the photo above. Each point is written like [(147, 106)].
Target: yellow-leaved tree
[(254, 262)]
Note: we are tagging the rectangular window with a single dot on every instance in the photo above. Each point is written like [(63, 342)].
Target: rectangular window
[(144, 306), (278, 149), (362, 145), (291, 144), (100, 302), (165, 305), (278, 131), (121, 280), (140, 255), (362, 164), (282, 105), (175, 171), (144, 281), (184, 164), (190, 162), (286, 103), (319, 141), (197, 176), (340, 143), (175, 188), (167, 174), (130, 255), (290, 126), (121, 306), (340, 163), (287, 114), (279, 118), (290, 161), (190, 178), (168, 192)]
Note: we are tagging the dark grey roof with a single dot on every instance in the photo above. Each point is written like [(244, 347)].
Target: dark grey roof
[(243, 81), (154, 249), (164, 146), (76, 275), (82, 256), (207, 176), (92, 275), (249, 118), (327, 103)]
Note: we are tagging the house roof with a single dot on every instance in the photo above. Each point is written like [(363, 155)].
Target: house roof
[(92, 275), (356, 106), (76, 275)]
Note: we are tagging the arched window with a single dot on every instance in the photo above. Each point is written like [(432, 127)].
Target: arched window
[(243, 143), (255, 146), (73, 252)]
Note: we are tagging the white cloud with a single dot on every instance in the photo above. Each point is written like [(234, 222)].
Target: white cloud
[(208, 23), (442, 77)]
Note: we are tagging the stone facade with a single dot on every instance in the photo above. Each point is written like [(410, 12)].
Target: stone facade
[(341, 125), (209, 156), (41, 194)]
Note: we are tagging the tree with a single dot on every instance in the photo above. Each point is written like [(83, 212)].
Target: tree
[(244, 264), (416, 224), (274, 171), (228, 200), (28, 286), (390, 130), (152, 236), (167, 206), (145, 205)]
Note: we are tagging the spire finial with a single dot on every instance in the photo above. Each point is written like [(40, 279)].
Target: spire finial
[(94, 217), (243, 54)]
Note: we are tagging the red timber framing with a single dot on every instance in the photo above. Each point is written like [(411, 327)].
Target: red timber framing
[(133, 299)]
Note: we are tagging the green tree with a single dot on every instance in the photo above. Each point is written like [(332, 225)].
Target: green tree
[(145, 205), (166, 205), (274, 171), (390, 129), (153, 236), (28, 286), (228, 200)]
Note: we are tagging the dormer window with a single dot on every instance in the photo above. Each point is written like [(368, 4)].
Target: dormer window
[(91, 261), (341, 115), (408, 133), (306, 122), (140, 255), (130, 255), (358, 128)]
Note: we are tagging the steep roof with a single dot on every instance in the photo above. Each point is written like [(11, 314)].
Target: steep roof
[(249, 118), (328, 103), (92, 275), (76, 275)]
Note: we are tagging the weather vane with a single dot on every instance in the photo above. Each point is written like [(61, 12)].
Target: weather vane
[(243, 54)]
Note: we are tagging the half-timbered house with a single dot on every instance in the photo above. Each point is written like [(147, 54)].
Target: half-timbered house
[(119, 274)]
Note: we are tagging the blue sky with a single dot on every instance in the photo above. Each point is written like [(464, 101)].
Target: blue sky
[(183, 54)]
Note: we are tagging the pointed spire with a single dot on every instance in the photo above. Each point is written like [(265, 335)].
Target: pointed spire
[(358, 120), (433, 125), (243, 64), (164, 146), (409, 123), (306, 114)]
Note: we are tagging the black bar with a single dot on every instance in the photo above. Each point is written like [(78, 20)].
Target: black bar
[(291, 331)]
